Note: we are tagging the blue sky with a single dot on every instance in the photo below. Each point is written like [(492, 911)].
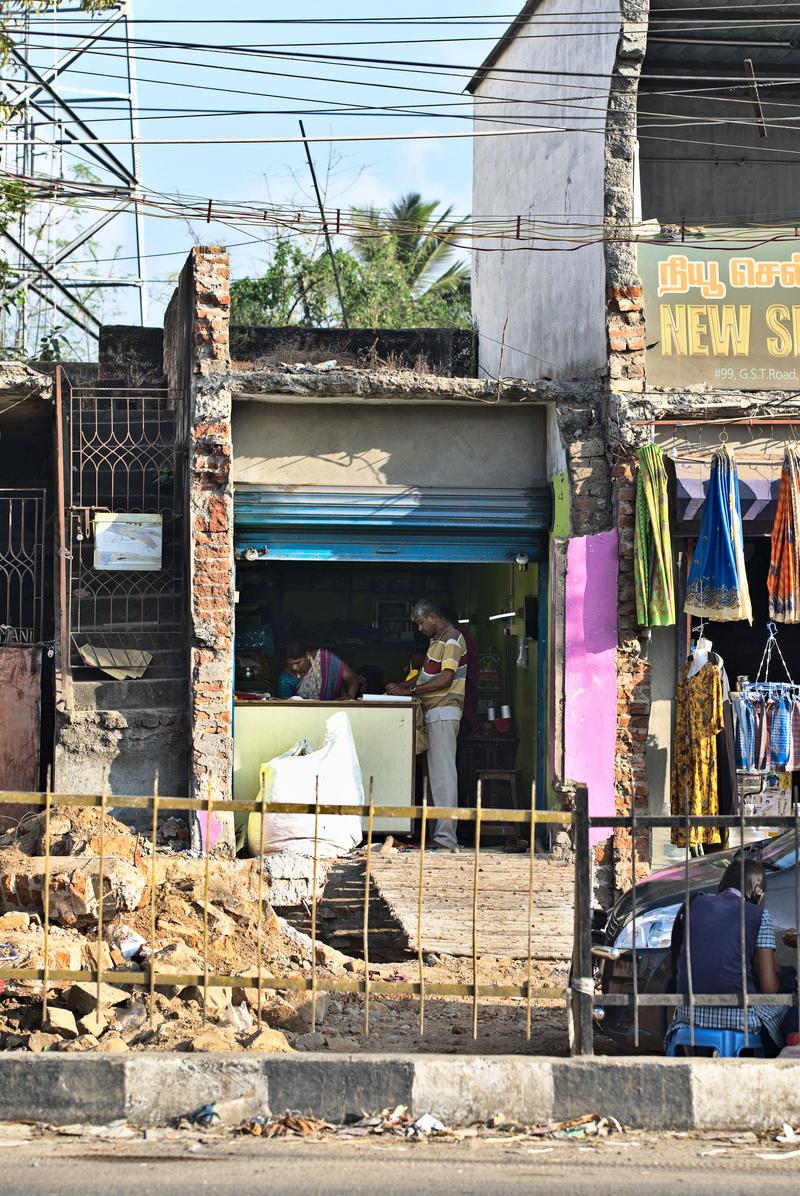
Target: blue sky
[(359, 174)]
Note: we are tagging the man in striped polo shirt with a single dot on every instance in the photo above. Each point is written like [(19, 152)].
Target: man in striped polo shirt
[(440, 687)]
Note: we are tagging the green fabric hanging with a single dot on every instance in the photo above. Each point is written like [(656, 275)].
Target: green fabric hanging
[(652, 556)]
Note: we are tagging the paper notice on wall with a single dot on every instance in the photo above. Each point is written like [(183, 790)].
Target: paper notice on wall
[(127, 542), (773, 799)]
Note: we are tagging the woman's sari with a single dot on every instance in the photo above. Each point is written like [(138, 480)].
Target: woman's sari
[(321, 683)]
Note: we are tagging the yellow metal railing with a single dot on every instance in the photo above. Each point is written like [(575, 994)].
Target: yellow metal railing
[(421, 988)]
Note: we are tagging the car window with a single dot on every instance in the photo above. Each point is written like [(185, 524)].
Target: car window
[(780, 852)]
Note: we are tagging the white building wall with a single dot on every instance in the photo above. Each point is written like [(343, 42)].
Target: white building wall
[(554, 302)]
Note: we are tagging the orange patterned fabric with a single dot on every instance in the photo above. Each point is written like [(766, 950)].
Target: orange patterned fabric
[(784, 565)]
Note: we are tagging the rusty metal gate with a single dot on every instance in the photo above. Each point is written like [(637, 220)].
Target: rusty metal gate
[(22, 515), (123, 452)]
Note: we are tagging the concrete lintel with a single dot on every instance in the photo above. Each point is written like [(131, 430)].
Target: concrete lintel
[(719, 404), (20, 381), (352, 385), (644, 1093)]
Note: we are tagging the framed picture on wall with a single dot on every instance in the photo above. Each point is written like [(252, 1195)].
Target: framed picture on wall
[(393, 620)]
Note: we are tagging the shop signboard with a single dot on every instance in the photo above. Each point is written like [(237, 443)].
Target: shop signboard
[(725, 313)]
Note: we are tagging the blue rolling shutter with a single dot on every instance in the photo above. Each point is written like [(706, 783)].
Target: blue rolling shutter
[(338, 523)]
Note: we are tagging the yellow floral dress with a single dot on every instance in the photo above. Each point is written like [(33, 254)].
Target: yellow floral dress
[(698, 720)]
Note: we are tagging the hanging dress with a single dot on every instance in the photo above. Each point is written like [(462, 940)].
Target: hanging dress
[(717, 587), (652, 553), (699, 718), (783, 581)]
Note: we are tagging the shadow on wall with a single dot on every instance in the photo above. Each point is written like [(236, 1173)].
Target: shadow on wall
[(392, 444)]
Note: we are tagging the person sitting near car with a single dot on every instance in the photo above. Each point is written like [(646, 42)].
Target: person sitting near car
[(716, 956)]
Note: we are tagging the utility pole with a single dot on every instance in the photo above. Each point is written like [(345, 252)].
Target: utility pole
[(325, 227)]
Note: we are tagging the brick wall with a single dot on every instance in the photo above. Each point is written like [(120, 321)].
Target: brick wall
[(197, 361), (633, 692), (625, 326)]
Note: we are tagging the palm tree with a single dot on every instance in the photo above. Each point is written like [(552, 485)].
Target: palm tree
[(424, 241)]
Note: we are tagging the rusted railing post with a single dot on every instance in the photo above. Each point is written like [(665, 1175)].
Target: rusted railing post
[(582, 984)]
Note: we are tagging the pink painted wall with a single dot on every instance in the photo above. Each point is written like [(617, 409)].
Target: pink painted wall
[(590, 674)]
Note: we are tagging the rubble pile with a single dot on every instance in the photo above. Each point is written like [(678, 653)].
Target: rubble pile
[(179, 1018), (123, 1019)]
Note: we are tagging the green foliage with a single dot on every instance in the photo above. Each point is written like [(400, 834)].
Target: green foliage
[(392, 277), (9, 9)]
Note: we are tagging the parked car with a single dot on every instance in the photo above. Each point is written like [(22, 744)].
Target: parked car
[(658, 899)]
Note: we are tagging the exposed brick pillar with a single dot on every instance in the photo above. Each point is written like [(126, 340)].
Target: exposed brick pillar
[(197, 361), (633, 693), (625, 326)]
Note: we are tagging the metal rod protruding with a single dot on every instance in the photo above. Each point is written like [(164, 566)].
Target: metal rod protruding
[(314, 911), (529, 999), (154, 833), (475, 910), (367, 877), (420, 897)]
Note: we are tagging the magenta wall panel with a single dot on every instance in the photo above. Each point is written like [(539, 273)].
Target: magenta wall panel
[(590, 673)]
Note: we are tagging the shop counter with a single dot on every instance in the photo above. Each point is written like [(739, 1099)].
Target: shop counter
[(383, 732)]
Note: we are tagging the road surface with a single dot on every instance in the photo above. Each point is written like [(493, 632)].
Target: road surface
[(624, 1165)]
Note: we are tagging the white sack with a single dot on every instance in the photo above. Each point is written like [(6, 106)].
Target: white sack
[(292, 776)]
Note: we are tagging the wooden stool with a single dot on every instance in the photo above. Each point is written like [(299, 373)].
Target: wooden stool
[(508, 776)]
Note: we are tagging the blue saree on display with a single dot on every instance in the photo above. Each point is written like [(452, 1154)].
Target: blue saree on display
[(717, 588)]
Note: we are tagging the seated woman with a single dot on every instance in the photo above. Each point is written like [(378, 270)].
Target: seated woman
[(318, 676), (716, 956)]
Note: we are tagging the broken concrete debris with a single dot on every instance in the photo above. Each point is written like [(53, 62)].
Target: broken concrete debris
[(61, 1022), (184, 1014), (84, 998), (111, 1018)]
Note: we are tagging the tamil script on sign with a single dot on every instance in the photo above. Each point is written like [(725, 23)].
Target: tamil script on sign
[(727, 318)]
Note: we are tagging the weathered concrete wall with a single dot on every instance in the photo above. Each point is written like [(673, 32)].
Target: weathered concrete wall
[(196, 362), (131, 354), (121, 752), (338, 445), (450, 352), (726, 171), (624, 306), (553, 301)]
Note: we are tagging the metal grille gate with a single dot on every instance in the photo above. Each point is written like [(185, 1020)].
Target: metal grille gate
[(22, 515), (123, 450)]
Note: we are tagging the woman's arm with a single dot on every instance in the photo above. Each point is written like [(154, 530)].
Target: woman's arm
[(351, 682), (766, 970)]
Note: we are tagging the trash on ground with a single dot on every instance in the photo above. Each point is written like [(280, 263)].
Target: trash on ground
[(205, 1116), (289, 1125)]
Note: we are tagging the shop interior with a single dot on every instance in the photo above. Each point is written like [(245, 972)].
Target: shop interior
[(361, 611)]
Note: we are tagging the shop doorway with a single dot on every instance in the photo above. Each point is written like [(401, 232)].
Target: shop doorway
[(361, 610)]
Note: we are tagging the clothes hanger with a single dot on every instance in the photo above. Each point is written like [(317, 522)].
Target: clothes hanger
[(701, 652)]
